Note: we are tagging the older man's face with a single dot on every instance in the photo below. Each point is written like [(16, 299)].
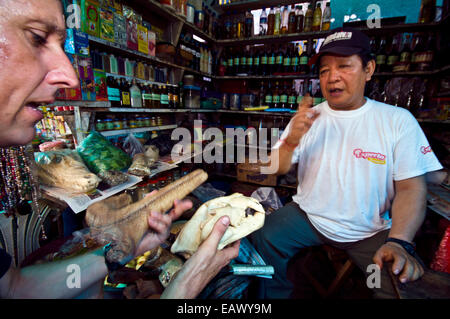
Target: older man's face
[(343, 79), (33, 65)]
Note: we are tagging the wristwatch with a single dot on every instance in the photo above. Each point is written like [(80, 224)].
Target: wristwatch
[(408, 246)]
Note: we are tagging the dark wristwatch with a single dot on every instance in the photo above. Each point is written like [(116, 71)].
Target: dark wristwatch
[(409, 247)]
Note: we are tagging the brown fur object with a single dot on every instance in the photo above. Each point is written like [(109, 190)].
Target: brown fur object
[(122, 223)]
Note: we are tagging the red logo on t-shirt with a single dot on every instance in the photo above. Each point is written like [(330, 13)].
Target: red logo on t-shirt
[(373, 157), (426, 149)]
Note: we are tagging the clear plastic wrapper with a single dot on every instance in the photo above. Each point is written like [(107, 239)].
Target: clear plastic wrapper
[(268, 198)]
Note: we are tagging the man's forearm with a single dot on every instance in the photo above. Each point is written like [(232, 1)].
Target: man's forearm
[(408, 208), (280, 160), (56, 279)]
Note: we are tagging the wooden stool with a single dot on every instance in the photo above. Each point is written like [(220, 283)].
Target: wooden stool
[(342, 264)]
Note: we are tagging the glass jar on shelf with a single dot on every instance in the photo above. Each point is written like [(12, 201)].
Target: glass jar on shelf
[(100, 125), (109, 126)]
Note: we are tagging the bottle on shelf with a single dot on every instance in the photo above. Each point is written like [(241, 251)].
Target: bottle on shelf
[(304, 59), (271, 21), (261, 95), (243, 61), (381, 56), (287, 59), (269, 97), (292, 97), (240, 26), (230, 62), (113, 91), (284, 96), (317, 95), (227, 26), (164, 97), (317, 18), (256, 61), (292, 20), (309, 15), (250, 59), (392, 54), (263, 22), (271, 60), (276, 96), (156, 95), (279, 60), (264, 61), (295, 59), (427, 11), (284, 20), (248, 24), (135, 95), (326, 18), (277, 23), (125, 93), (424, 57), (404, 61), (300, 18), (147, 96), (236, 62)]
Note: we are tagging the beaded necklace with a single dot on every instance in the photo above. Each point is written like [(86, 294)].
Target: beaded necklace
[(18, 184)]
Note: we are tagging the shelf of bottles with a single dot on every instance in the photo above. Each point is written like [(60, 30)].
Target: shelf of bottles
[(120, 49), (176, 11), (137, 130)]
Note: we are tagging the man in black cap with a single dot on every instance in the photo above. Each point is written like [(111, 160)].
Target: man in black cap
[(361, 175)]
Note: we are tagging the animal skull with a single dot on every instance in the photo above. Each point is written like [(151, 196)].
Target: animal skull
[(198, 228)]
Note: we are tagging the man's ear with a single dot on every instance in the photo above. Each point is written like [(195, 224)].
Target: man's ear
[(370, 69)]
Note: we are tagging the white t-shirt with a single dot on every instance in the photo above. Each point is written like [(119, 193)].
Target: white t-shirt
[(348, 162)]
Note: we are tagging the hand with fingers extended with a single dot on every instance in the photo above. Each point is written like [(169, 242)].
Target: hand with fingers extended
[(203, 265), (159, 226), (302, 120), (403, 264)]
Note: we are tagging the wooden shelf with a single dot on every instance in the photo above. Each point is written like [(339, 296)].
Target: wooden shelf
[(265, 77), (282, 38), (254, 4), (138, 130), (169, 14), (140, 55)]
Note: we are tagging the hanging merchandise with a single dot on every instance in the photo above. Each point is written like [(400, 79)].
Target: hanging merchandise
[(18, 185)]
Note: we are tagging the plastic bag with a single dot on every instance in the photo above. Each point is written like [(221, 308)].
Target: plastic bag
[(207, 192), (100, 155), (268, 198), (132, 146)]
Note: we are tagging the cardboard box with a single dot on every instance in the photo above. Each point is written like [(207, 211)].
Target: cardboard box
[(132, 35), (251, 173), (91, 18), (77, 42), (106, 25), (142, 39), (86, 78), (101, 93), (120, 29), (73, 94), (151, 43)]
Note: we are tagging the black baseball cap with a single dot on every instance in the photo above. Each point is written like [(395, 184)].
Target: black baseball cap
[(343, 41)]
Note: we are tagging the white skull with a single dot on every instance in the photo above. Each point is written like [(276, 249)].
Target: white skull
[(198, 228)]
